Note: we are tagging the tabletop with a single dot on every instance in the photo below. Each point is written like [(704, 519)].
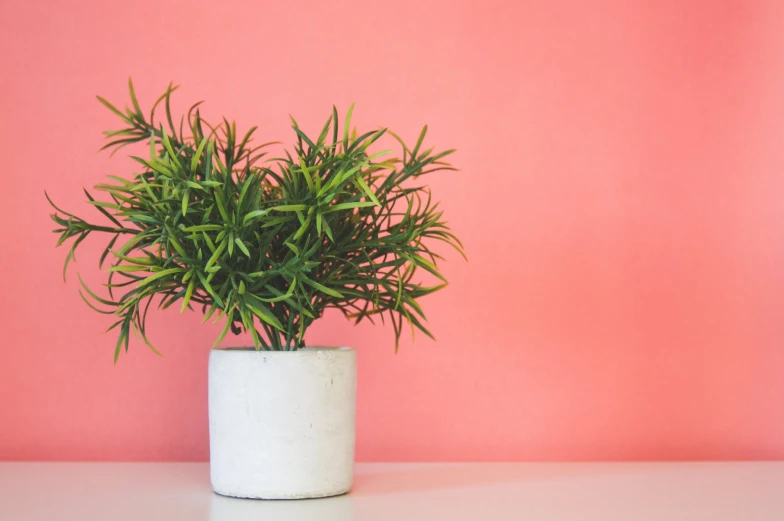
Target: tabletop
[(406, 491)]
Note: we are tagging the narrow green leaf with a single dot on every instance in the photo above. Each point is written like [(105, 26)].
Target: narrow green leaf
[(242, 246), (347, 126), (419, 142), (221, 206), (243, 192), (99, 205), (209, 242), (210, 312), (123, 268), (290, 208), (224, 331), (365, 188), (120, 339), (107, 250), (349, 206), (321, 288), (93, 295), (197, 155), (216, 254), (306, 174), (159, 275), (328, 230), (114, 109), (208, 288), (253, 215), (334, 125), (266, 315), (188, 294), (194, 185), (203, 228), (177, 246), (429, 266), (167, 145), (133, 99), (101, 311)]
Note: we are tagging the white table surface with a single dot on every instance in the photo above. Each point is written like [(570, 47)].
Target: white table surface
[(406, 492)]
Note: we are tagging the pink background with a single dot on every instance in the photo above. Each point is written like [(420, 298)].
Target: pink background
[(620, 200)]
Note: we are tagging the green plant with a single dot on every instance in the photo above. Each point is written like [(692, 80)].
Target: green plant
[(266, 244)]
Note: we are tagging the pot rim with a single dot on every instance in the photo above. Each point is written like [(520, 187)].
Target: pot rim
[(307, 349)]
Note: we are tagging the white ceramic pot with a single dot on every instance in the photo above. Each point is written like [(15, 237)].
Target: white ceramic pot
[(282, 422)]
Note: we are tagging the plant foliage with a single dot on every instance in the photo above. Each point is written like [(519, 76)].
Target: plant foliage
[(265, 245)]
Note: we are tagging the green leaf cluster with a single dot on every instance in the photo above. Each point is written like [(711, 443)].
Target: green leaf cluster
[(264, 245)]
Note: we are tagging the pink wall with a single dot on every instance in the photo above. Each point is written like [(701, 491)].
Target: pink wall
[(620, 201)]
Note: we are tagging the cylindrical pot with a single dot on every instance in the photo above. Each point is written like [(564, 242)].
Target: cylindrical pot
[(282, 423)]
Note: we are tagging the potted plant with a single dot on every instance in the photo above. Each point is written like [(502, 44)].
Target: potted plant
[(265, 246)]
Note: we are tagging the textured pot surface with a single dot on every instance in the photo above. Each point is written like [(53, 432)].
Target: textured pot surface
[(282, 423)]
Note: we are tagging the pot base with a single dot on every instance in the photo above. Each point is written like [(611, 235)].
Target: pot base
[(283, 497)]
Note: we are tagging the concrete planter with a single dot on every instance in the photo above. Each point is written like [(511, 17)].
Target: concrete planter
[(282, 422)]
